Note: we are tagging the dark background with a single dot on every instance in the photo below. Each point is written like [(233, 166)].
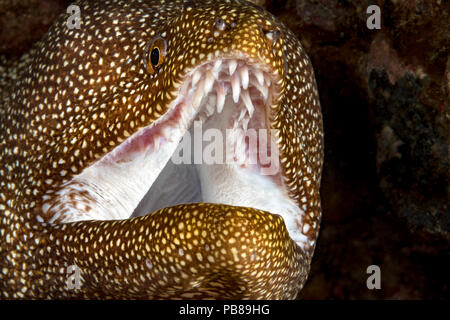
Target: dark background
[(385, 102)]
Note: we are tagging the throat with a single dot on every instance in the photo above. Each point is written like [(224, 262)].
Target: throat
[(177, 184)]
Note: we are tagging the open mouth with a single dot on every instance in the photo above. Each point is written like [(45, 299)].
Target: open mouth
[(214, 145)]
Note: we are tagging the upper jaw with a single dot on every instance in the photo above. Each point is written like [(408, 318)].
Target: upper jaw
[(238, 76)]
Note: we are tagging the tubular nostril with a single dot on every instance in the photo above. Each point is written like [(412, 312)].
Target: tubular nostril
[(272, 35), (220, 24), (189, 4)]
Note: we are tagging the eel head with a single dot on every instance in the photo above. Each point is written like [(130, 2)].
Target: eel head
[(170, 150)]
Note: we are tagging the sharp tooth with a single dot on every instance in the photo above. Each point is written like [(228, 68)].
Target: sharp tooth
[(217, 66), (248, 102), (235, 124), (232, 65), (244, 77), (259, 76), (211, 105), (201, 117), (221, 94), (197, 75), (263, 89), (242, 115), (209, 82), (235, 86), (267, 81), (245, 124), (198, 95)]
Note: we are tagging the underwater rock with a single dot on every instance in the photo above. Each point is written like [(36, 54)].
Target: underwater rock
[(385, 100), (23, 22), (397, 76)]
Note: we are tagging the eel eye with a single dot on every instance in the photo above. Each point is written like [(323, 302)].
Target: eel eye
[(154, 57), (155, 53)]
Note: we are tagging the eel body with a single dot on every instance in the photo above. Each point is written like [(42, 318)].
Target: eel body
[(88, 123)]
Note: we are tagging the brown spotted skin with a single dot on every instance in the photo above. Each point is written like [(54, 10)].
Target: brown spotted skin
[(75, 98)]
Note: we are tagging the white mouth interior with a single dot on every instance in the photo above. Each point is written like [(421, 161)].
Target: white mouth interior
[(140, 176)]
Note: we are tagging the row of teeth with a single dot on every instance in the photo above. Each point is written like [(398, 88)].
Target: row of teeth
[(223, 76), (242, 82)]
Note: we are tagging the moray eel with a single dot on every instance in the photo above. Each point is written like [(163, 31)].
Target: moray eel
[(90, 121)]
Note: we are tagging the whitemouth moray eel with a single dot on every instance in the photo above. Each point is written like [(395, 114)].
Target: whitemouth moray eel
[(89, 122)]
